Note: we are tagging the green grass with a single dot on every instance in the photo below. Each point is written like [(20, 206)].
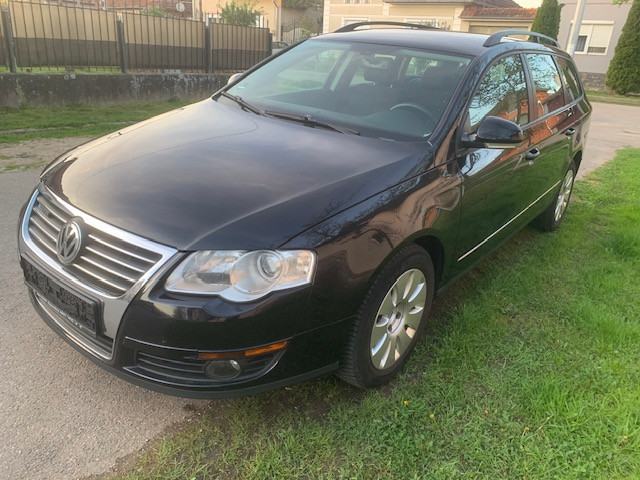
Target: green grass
[(76, 120), (21, 167), (606, 97), (529, 369)]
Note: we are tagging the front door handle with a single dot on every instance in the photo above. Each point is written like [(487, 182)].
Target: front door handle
[(532, 154), (570, 132)]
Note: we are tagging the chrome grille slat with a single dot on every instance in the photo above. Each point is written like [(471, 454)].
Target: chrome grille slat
[(43, 229), (121, 250), (114, 260), (107, 269), (47, 219), (51, 208), (99, 278), (108, 262), (41, 241)]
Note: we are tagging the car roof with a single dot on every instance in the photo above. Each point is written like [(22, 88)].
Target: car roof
[(463, 43)]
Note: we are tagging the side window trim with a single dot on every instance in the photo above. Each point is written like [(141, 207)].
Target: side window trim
[(531, 91), (565, 88)]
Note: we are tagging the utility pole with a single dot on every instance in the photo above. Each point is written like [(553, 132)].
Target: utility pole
[(575, 27)]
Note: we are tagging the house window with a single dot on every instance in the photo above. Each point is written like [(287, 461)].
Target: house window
[(594, 37)]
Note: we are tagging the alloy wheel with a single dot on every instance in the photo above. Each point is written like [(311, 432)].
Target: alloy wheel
[(563, 196), (398, 319)]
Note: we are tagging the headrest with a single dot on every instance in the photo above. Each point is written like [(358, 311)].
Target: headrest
[(446, 73), (377, 70), (443, 69)]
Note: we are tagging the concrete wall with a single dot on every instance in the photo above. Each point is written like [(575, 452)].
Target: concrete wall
[(68, 89), (601, 12)]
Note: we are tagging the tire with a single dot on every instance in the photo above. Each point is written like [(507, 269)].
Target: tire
[(380, 326), (553, 216)]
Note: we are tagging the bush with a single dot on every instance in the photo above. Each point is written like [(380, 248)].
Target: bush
[(240, 13), (623, 76)]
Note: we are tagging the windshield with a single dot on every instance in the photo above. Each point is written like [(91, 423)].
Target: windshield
[(376, 90)]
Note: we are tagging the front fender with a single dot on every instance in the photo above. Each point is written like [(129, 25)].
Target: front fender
[(352, 245)]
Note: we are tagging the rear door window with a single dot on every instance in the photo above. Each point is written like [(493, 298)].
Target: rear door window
[(502, 92), (546, 83), (570, 78)]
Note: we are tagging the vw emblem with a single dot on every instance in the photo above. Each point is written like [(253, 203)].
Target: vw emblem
[(69, 242)]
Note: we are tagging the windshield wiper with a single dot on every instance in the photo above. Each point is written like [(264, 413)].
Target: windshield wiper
[(309, 120), (245, 105)]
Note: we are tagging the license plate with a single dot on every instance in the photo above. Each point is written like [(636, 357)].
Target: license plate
[(82, 313)]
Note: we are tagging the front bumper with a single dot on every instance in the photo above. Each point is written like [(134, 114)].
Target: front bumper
[(152, 338), (299, 362)]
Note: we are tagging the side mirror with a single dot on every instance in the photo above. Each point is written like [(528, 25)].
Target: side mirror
[(495, 132), (234, 77)]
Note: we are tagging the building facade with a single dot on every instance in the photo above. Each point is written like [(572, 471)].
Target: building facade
[(601, 28), (480, 16)]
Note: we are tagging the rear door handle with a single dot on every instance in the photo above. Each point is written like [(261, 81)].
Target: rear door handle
[(570, 132), (532, 154)]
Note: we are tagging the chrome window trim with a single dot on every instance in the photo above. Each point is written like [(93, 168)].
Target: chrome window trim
[(113, 307), (508, 223)]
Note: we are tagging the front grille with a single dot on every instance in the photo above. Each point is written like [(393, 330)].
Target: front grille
[(106, 263), (190, 371)]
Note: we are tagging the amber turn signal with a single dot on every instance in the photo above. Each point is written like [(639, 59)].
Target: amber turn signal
[(274, 347)]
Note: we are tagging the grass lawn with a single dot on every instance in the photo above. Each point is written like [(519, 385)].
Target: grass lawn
[(605, 97), (75, 120), (529, 369)]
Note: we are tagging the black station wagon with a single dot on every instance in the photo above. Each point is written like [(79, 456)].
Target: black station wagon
[(301, 221)]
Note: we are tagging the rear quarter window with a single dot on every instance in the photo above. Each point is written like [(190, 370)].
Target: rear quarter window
[(570, 78)]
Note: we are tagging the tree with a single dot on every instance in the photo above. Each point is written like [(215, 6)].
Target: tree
[(547, 19), (302, 4), (623, 75), (240, 13)]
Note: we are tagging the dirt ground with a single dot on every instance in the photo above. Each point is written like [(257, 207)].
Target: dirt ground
[(34, 154)]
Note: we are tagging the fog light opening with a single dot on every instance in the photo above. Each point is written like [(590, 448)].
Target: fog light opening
[(222, 369)]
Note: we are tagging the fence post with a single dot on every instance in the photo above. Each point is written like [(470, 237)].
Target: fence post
[(207, 47), (8, 31), (122, 46)]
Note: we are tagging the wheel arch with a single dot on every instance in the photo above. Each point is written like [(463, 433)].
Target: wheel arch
[(430, 243), (434, 247), (577, 159)]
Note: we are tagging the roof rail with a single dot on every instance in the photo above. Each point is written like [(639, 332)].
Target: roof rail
[(496, 38), (352, 26)]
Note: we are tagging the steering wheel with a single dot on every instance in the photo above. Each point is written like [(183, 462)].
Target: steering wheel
[(419, 108)]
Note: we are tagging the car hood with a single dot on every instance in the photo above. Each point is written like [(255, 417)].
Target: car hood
[(212, 176)]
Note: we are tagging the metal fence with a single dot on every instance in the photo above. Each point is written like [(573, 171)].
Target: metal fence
[(42, 37)]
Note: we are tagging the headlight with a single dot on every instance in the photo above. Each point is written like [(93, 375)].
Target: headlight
[(241, 276)]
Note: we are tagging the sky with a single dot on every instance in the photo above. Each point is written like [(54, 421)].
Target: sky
[(529, 3)]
